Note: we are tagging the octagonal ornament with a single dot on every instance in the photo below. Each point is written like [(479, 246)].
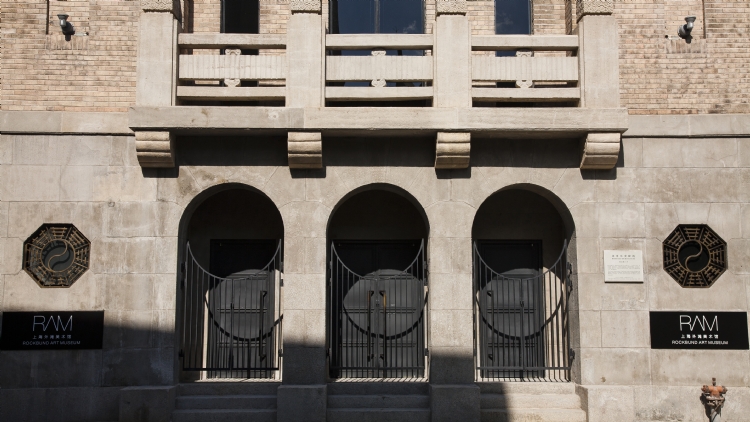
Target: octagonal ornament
[(694, 255), (56, 255)]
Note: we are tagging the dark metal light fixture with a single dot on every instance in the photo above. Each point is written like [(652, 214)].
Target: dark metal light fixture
[(685, 30), (67, 27)]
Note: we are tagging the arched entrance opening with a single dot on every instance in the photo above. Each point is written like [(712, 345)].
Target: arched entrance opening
[(229, 313), (377, 290), (522, 286)]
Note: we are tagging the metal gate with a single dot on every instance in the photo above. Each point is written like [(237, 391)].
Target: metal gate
[(231, 326), (377, 321), (522, 322)]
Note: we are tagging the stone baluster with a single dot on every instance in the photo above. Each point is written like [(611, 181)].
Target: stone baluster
[(598, 57)]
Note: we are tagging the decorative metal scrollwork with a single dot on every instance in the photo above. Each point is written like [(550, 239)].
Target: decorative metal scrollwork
[(694, 255), (56, 255)]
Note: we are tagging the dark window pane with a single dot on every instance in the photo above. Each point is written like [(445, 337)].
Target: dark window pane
[(240, 17), (401, 17), (377, 17), (512, 17), (352, 17)]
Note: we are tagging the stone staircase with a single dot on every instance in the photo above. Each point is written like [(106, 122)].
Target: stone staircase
[(225, 402), (378, 402), (530, 402)]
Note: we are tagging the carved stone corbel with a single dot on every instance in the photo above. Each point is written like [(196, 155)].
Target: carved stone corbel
[(305, 6), (154, 149), (305, 150), (600, 151), (450, 7), (594, 7), (453, 150)]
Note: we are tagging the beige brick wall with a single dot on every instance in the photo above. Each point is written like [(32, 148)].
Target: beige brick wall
[(95, 71), (662, 74)]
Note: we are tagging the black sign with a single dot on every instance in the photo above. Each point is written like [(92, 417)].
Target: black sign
[(699, 330), (52, 330)]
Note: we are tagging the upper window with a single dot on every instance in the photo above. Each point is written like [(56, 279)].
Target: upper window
[(377, 17), (512, 17), (240, 17)]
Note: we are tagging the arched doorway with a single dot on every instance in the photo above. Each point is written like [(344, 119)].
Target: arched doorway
[(522, 286), (377, 286), (230, 278)]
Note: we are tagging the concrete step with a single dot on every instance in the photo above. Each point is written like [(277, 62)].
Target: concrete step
[(533, 415), (223, 415), (378, 415), (374, 388), (527, 387), (525, 401), (226, 402), (379, 401), (228, 388)]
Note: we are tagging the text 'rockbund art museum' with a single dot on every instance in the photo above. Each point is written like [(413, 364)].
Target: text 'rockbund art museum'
[(374, 210)]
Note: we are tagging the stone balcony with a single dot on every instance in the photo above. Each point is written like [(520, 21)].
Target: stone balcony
[(311, 85)]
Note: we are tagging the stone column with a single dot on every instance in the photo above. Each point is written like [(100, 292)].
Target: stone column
[(305, 81), (302, 396), (157, 74), (452, 83), (598, 57), (453, 394)]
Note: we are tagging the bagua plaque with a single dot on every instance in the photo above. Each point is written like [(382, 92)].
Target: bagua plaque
[(52, 330), (699, 330), (694, 255), (56, 255)]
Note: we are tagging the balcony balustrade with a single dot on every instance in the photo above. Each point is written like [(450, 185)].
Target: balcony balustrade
[(309, 84)]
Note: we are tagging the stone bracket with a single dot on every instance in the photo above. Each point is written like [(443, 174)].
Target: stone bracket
[(594, 7), (453, 150), (305, 150), (600, 151), (305, 6), (450, 7), (154, 149)]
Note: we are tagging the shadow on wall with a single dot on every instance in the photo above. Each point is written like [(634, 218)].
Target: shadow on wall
[(383, 150), (84, 385)]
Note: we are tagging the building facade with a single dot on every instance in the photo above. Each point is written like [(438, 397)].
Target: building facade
[(310, 210)]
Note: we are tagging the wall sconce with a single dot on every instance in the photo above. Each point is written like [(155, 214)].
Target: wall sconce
[(685, 30), (67, 27)]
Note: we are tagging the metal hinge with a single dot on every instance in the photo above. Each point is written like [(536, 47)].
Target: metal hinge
[(572, 354), (281, 353), (426, 351)]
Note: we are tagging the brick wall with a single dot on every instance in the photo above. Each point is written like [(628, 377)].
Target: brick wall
[(662, 74), (95, 71)]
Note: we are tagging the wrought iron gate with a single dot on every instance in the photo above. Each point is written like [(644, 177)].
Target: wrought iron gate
[(377, 321), (522, 322), (231, 326)]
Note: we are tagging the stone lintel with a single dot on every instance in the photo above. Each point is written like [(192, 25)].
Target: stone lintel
[(305, 6), (154, 149), (594, 7), (305, 150), (453, 150), (450, 7), (600, 151)]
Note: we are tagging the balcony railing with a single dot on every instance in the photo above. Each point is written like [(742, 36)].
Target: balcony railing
[(211, 76), (379, 69), (541, 69)]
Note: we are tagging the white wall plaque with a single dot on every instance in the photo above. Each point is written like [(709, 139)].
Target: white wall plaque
[(623, 266)]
